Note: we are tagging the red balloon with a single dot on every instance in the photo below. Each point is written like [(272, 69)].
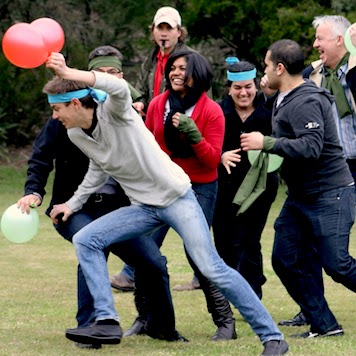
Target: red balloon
[(23, 46), (52, 33)]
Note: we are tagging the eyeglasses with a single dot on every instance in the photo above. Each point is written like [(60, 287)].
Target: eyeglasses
[(109, 71)]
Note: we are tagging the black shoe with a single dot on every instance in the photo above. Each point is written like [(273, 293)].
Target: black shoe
[(88, 346), (137, 328), (225, 332), (173, 336), (101, 332), (299, 320), (311, 335), (275, 348)]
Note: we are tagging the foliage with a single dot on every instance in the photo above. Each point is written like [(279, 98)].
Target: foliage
[(217, 29), (4, 129)]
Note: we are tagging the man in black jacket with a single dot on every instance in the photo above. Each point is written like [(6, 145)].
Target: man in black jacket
[(313, 228), (334, 60)]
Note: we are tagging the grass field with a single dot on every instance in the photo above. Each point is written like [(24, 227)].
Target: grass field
[(38, 298)]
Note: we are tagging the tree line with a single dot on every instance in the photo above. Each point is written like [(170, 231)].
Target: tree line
[(217, 29)]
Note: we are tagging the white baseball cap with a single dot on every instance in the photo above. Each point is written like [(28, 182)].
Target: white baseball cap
[(168, 15)]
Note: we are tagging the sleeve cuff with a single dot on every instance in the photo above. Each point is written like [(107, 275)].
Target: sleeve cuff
[(268, 143)]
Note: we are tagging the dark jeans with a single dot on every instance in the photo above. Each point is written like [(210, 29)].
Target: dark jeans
[(309, 236), (142, 253)]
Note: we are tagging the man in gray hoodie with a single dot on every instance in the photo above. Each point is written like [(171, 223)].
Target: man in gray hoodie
[(313, 229)]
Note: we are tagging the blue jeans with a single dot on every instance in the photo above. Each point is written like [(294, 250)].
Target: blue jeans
[(186, 217), (206, 195), (311, 235), (142, 253)]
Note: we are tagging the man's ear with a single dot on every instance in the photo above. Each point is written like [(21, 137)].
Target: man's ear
[(76, 103), (280, 68), (340, 41)]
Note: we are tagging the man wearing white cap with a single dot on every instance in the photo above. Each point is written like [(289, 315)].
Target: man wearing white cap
[(168, 35)]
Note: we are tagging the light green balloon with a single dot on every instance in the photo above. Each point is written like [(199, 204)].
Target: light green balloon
[(19, 227), (348, 44), (274, 161)]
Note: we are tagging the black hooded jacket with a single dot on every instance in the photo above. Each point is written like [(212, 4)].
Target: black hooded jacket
[(308, 140)]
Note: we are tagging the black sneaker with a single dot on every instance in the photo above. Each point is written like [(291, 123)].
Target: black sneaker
[(299, 320), (101, 332), (311, 335), (275, 348)]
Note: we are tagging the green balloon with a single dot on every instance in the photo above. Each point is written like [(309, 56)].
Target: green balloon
[(274, 161), (19, 227), (348, 44)]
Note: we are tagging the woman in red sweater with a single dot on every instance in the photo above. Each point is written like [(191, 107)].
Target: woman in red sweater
[(189, 127)]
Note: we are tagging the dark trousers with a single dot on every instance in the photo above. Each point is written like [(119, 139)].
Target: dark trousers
[(238, 238), (309, 236)]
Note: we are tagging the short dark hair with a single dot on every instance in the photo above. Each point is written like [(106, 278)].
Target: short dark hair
[(198, 69), (59, 85), (103, 51), (289, 53), (241, 66)]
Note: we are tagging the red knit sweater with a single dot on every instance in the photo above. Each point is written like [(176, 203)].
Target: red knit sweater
[(209, 118)]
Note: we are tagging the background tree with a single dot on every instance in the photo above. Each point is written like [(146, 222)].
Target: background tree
[(217, 29)]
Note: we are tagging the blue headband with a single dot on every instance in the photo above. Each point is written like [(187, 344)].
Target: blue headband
[(97, 94), (239, 76)]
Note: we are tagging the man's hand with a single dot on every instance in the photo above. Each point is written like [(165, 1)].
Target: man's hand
[(57, 62), (27, 202), (265, 87), (139, 106), (60, 209), (230, 158), (251, 141)]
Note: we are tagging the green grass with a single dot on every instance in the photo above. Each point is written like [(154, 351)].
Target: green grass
[(38, 298)]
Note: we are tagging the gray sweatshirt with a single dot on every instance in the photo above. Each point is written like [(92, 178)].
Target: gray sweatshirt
[(122, 147)]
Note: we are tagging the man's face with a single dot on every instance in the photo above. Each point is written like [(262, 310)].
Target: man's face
[(270, 71), (328, 45), (69, 113), (66, 114), (168, 34)]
